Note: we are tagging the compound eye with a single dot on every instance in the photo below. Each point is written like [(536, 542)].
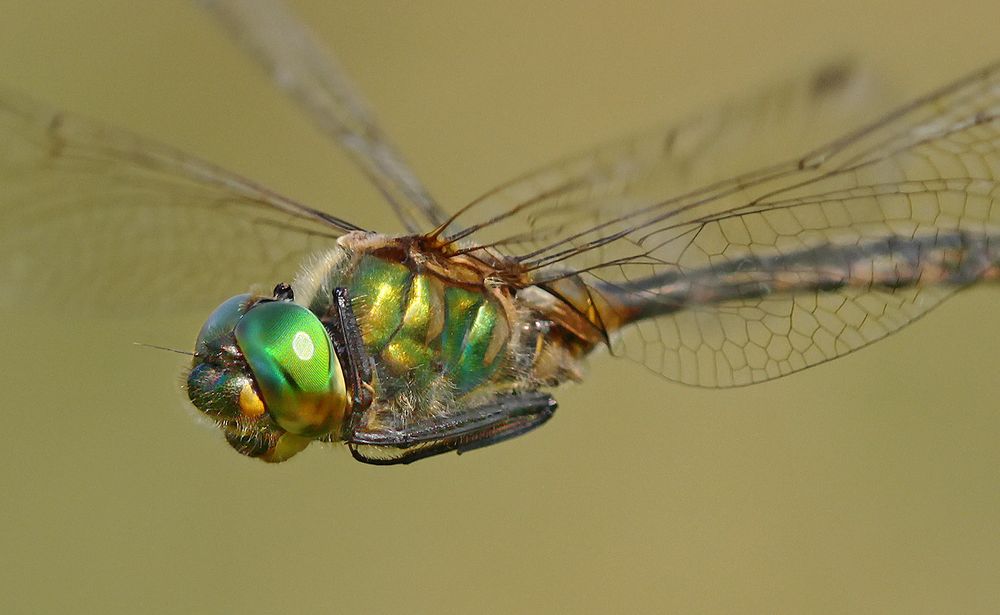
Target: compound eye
[(294, 366), (220, 324)]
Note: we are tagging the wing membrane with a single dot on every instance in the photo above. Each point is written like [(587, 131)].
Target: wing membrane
[(94, 216), (310, 75), (683, 203), (596, 195), (771, 332)]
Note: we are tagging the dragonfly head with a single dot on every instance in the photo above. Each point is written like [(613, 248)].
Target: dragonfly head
[(265, 370)]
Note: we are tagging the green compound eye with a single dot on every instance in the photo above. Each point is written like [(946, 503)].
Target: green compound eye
[(294, 366)]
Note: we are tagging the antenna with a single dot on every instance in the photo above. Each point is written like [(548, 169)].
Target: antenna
[(155, 347)]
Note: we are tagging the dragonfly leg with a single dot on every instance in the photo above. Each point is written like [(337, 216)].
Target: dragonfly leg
[(355, 362), (503, 417)]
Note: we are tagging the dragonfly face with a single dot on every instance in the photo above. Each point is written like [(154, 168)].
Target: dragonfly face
[(266, 372), (675, 248)]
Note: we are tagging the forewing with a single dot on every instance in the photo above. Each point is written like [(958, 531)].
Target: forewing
[(614, 187), (302, 67), (96, 218), (651, 207)]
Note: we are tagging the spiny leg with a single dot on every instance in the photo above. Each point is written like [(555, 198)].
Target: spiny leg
[(504, 417), (342, 326)]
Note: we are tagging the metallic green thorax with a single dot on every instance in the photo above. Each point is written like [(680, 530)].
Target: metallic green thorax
[(418, 328)]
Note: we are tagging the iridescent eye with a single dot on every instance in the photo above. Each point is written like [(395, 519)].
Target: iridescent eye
[(220, 324), (294, 366)]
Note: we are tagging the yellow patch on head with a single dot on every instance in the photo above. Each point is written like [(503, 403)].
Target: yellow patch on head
[(250, 403)]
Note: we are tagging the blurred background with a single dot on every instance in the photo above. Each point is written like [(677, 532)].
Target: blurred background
[(870, 485)]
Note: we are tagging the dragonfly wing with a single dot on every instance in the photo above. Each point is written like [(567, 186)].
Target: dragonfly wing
[(746, 341), (93, 217), (923, 174), (930, 185), (302, 67), (586, 194)]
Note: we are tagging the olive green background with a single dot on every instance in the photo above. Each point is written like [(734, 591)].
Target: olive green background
[(870, 485)]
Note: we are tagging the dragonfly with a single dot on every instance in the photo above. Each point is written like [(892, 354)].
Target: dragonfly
[(676, 248)]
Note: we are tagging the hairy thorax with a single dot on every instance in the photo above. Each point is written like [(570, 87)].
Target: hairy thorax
[(443, 329)]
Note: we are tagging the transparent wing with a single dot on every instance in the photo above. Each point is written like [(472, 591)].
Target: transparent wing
[(302, 67), (694, 201), (890, 258), (618, 185), (92, 217)]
